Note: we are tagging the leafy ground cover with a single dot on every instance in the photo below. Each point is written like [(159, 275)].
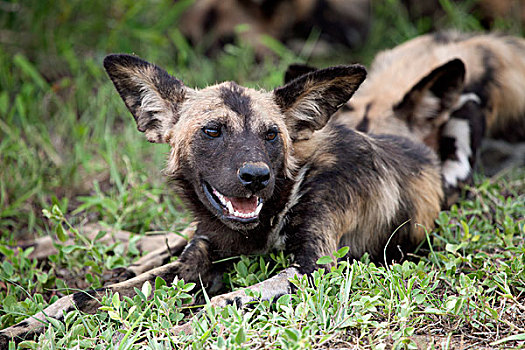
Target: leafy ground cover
[(69, 147)]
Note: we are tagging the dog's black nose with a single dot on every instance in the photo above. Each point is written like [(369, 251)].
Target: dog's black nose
[(254, 176)]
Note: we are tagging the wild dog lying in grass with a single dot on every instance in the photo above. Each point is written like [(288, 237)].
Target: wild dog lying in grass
[(263, 170), (443, 89)]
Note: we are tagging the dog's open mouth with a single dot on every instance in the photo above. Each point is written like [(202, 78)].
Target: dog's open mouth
[(236, 208)]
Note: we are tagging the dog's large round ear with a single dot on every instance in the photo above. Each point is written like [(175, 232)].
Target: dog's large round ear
[(309, 101), (436, 92), (152, 95)]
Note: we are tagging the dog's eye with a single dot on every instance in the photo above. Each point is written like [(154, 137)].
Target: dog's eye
[(212, 131), (271, 135)]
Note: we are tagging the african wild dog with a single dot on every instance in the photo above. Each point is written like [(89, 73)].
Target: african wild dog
[(260, 171), (443, 89), (214, 23)]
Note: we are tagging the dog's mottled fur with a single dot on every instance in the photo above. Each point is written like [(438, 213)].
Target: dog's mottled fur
[(447, 90), (263, 170), (214, 23)]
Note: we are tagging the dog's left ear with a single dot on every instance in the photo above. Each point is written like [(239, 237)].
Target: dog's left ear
[(309, 101)]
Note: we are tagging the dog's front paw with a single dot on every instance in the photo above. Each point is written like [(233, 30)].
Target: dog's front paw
[(237, 297)]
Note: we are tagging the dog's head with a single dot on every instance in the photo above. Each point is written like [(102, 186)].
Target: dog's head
[(230, 142), (391, 102)]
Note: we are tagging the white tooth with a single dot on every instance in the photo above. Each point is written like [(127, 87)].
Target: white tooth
[(230, 207), (258, 210)]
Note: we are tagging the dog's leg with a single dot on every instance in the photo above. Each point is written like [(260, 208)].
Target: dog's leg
[(268, 289), (193, 266)]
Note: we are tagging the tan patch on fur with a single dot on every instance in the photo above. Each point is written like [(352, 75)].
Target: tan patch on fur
[(315, 148), (427, 195), (369, 218)]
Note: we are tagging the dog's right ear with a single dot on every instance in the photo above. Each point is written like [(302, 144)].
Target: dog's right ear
[(152, 95), (296, 70)]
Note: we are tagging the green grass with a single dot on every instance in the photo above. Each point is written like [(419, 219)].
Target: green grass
[(68, 145)]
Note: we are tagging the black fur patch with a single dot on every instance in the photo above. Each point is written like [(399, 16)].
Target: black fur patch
[(294, 71), (481, 87), (364, 123), (347, 108), (210, 19), (235, 98), (447, 148)]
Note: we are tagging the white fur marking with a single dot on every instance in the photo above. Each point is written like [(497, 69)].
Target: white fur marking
[(275, 239), (465, 98), (455, 170)]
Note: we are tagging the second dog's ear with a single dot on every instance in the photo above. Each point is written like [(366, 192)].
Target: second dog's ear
[(436, 92), (296, 70), (309, 101), (152, 95)]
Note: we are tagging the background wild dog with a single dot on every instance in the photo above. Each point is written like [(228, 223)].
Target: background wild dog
[(446, 90), (213, 23), (261, 171)]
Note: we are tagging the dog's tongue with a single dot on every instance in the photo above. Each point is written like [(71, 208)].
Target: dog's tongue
[(244, 205)]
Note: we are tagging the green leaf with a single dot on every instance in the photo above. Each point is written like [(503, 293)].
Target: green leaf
[(113, 315), (188, 287), (116, 301), (61, 233), (146, 289), (159, 282), (70, 248), (56, 210), (341, 253), (324, 260), (514, 337), (8, 268), (100, 235), (28, 344), (240, 338), (42, 278), (292, 334)]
